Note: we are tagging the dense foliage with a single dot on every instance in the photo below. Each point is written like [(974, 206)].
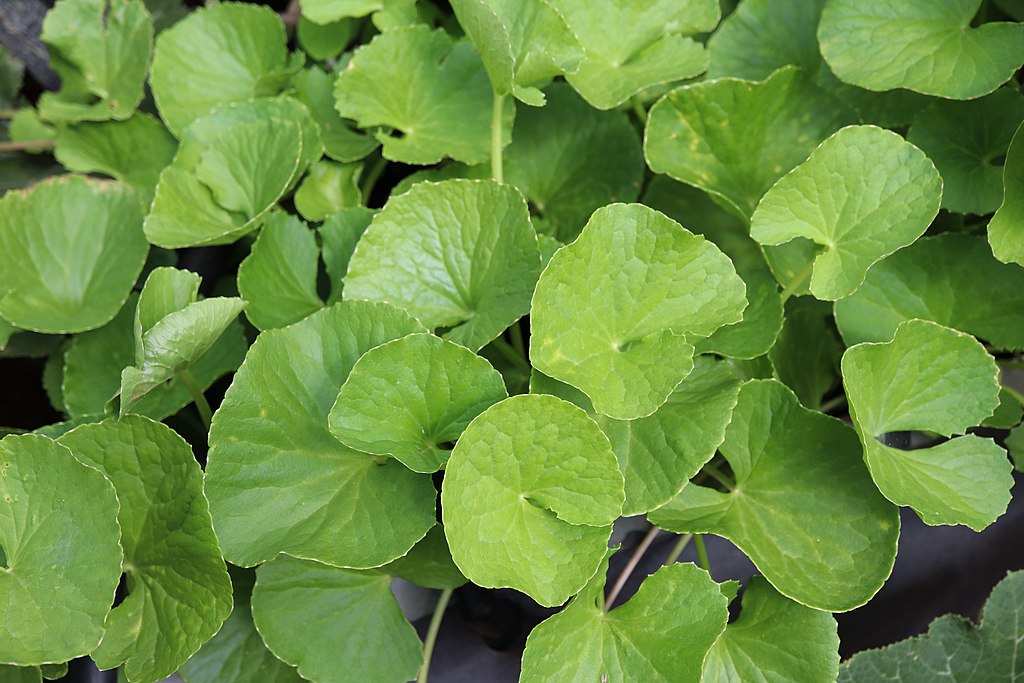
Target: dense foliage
[(674, 259)]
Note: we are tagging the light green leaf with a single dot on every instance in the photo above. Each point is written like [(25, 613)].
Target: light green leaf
[(523, 44), (100, 49), (62, 561), (339, 236), (429, 563), (1006, 229), (328, 188), (614, 310), (401, 13), (631, 46), (326, 41), (237, 653), (966, 141), (459, 254), (529, 495), (803, 508), (430, 93), (26, 127), (246, 57), (661, 635), (806, 355), (860, 196), (734, 138), (927, 46), (279, 482), (335, 625), (568, 160), (930, 378), (775, 639), (342, 142), (113, 148), (326, 11), (949, 279), (165, 291), (954, 649), (70, 250), (179, 592), (410, 397)]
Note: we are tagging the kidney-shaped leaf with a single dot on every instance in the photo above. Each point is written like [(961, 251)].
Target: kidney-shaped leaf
[(278, 481), (59, 541), (863, 194), (1006, 229), (803, 507), (179, 592), (935, 379), (70, 251), (529, 495), (410, 397), (928, 46), (459, 254), (613, 310)]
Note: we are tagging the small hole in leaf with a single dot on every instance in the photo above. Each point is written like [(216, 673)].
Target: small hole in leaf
[(122, 590), (397, 134), (446, 445), (999, 160), (898, 440)]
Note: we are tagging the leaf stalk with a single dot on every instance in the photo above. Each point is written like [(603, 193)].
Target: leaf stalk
[(435, 626), (627, 571), (202, 405), (497, 116)]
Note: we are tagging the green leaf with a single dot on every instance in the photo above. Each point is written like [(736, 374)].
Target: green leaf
[(339, 236), (1005, 231), (630, 46), (430, 94), (734, 138), (335, 625), (1009, 412), (342, 142), (61, 558), (860, 196), (927, 46), (775, 639), (179, 592), (806, 355), (328, 188), (523, 44), (614, 310), (568, 160), (966, 141), (949, 279), (279, 482), (459, 254), (12, 76), (815, 526), (20, 674), (326, 41), (245, 56), (26, 127), (410, 397), (113, 148), (100, 49), (661, 635), (327, 11), (70, 250), (954, 648), (529, 495), (429, 563), (237, 653), (930, 378), (1015, 445)]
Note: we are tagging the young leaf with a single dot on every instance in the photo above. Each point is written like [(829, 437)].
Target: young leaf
[(429, 90), (328, 188), (459, 254), (630, 47), (179, 592), (335, 625), (661, 635), (279, 482), (734, 138), (613, 310), (100, 49), (342, 142), (861, 195), (1005, 233), (954, 648), (61, 558), (245, 56), (796, 644), (927, 46), (70, 251), (930, 378), (965, 140), (815, 526), (949, 279), (409, 397), (529, 495)]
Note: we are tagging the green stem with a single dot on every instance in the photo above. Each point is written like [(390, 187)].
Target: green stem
[(638, 109), (25, 145), (832, 404), (680, 546), (371, 178), (634, 560), (797, 281), (516, 333), (702, 553), (435, 626), (510, 353), (718, 476), (205, 414), (497, 170)]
